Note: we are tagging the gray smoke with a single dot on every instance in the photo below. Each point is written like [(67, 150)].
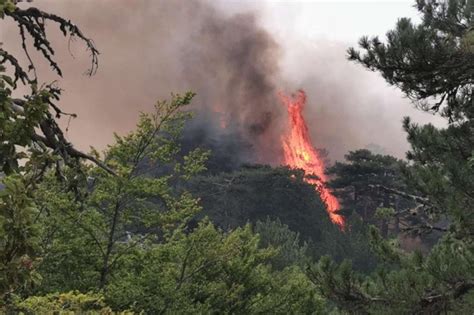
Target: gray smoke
[(152, 48)]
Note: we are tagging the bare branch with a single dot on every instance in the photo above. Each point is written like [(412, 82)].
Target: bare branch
[(32, 20), (19, 73)]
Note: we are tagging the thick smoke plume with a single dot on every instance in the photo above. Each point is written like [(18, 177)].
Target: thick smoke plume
[(152, 48)]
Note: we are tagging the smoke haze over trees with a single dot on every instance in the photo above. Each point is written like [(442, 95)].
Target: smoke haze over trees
[(234, 64)]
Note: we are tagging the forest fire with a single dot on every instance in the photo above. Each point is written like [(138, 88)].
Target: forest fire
[(299, 152)]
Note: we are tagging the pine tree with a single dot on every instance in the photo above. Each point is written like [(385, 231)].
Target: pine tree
[(433, 64), (361, 184)]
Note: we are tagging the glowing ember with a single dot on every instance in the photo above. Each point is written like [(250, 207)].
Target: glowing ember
[(299, 153)]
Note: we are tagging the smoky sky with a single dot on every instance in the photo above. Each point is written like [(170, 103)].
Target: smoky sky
[(234, 64)]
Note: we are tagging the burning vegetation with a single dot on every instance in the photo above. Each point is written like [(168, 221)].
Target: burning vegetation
[(298, 152)]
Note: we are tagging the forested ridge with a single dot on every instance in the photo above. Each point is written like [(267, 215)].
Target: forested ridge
[(157, 224)]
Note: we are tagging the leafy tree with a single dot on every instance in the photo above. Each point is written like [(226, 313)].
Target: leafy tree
[(18, 238), (291, 250), (117, 213), (62, 303), (432, 63), (208, 271)]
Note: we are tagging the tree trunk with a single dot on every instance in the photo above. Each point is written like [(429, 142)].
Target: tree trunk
[(110, 244), (384, 227)]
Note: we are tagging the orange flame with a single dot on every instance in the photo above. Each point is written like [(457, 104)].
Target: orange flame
[(299, 153)]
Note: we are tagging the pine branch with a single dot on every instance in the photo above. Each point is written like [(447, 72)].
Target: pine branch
[(422, 200)]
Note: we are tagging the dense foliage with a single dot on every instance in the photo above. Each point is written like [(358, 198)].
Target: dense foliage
[(257, 193)]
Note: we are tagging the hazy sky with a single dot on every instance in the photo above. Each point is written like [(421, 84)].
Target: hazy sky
[(332, 20), (348, 107), (306, 29)]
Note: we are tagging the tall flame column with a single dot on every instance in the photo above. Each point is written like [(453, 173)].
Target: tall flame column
[(300, 153)]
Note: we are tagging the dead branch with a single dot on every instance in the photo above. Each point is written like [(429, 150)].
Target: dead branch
[(32, 21)]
